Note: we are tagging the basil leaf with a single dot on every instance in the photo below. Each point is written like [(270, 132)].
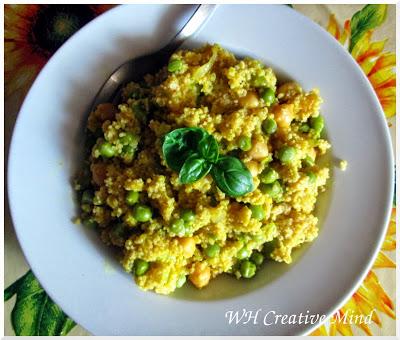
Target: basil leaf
[(208, 148), (232, 176), (194, 168), (369, 17), (180, 144)]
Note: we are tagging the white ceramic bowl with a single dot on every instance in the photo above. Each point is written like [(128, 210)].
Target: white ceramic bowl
[(74, 267)]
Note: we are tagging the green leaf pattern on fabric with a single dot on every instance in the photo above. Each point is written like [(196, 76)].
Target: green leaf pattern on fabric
[(370, 17), (13, 288), (34, 313)]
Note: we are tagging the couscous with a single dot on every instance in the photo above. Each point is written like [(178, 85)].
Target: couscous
[(207, 167)]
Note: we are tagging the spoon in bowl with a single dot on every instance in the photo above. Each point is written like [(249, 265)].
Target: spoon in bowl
[(135, 69)]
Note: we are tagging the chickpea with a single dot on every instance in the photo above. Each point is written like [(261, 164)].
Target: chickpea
[(284, 115), (288, 90), (253, 168), (250, 100), (105, 111), (201, 275), (99, 173), (188, 244), (259, 150)]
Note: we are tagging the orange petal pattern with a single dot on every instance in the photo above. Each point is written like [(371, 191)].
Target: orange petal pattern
[(371, 296), (372, 291), (378, 66), (333, 27), (337, 326), (321, 331), (22, 63), (366, 308), (390, 239), (382, 261)]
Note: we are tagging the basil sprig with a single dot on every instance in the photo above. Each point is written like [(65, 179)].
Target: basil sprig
[(209, 148), (194, 168), (193, 152), (232, 176), (179, 144)]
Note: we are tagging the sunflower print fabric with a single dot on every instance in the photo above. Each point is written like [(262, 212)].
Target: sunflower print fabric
[(33, 33)]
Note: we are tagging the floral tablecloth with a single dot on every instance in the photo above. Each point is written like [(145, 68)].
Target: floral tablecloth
[(34, 32)]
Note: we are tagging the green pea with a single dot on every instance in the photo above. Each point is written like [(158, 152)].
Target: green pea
[(257, 212), (212, 250), (273, 189), (141, 267), (317, 123), (128, 150), (128, 139), (97, 200), (132, 197), (257, 258), (244, 143), (135, 94), (264, 162), (243, 238), (269, 126), (268, 95), (308, 161), (269, 176), (119, 230), (269, 247), (259, 238), (89, 223), (287, 154), (260, 81), (188, 216), (311, 177), (178, 226), (304, 128), (181, 281), (140, 112), (175, 65), (243, 253), (86, 208), (87, 197), (247, 269), (142, 213), (106, 150)]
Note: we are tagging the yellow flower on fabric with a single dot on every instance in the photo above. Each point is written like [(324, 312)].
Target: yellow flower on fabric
[(379, 66), (369, 298)]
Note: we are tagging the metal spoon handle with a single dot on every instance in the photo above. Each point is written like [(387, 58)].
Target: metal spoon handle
[(135, 69), (198, 18)]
